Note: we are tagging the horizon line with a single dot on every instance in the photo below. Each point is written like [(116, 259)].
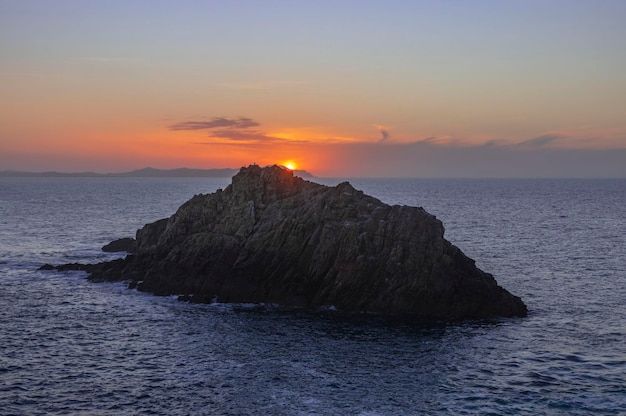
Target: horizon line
[(189, 173)]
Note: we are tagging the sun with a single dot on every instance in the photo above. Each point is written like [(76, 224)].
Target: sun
[(290, 164)]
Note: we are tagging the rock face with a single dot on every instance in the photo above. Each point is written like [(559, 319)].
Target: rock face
[(274, 238), (122, 244)]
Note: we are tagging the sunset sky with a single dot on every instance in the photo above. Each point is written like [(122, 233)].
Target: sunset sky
[(341, 88)]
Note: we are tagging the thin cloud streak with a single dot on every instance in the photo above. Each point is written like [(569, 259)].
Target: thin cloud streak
[(540, 141), (239, 136), (244, 138), (216, 122)]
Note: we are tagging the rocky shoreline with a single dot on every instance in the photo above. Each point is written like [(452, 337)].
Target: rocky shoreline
[(272, 237)]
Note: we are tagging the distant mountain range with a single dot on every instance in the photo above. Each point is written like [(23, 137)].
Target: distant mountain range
[(142, 173)]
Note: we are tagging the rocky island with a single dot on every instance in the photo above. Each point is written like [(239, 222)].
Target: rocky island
[(272, 237)]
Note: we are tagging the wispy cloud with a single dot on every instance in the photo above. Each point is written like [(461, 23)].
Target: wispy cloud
[(243, 136), (540, 141), (384, 132), (447, 141), (233, 131), (215, 122), (581, 137), (237, 137)]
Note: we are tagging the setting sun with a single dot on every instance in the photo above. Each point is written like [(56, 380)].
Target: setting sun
[(290, 164)]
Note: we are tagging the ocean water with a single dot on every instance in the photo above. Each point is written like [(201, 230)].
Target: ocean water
[(71, 347)]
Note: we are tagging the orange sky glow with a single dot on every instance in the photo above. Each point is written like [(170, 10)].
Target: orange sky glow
[(512, 89)]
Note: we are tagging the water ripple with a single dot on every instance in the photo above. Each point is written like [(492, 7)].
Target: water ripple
[(73, 347)]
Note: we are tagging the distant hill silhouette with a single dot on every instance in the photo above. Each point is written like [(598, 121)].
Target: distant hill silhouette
[(142, 173), (178, 173)]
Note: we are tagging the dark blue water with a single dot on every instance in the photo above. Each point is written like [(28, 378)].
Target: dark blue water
[(68, 346)]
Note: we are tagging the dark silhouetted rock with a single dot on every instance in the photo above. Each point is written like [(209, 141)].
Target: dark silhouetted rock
[(123, 244), (47, 267), (274, 238)]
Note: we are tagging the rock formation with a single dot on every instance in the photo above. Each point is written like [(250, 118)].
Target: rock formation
[(122, 244), (271, 237)]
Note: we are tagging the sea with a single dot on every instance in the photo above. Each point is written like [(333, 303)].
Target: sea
[(72, 347)]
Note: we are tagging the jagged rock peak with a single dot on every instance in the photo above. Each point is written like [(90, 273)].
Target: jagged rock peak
[(265, 184), (272, 237)]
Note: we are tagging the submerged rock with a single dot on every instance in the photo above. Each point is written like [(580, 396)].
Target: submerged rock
[(275, 238)]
